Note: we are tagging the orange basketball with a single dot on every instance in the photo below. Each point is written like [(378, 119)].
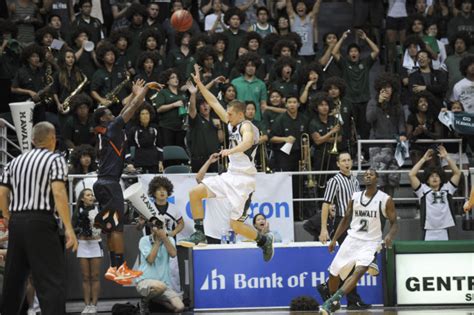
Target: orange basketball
[(181, 20)]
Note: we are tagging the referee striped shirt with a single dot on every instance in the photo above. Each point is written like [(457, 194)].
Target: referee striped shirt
[(29, 177), (339, 191)]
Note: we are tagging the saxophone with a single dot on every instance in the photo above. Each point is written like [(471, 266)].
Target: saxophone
[(112, 95), (66, 106)]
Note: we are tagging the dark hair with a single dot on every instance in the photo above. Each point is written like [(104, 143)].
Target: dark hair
[(8, 27), (30, 50), (203, 37), (78, 31), (317, 99), (341, 153), (424, 51), (80, 99), (280, 45), (337, 82), (98, 113), (430, 170), (225, 87), (234, 11), (80, 203), (144, 106), (39, 34), (450, 105), (414, 40), (465, 63), (269, 42), (103, 49), (262, 8), (252, 35), (412, 19), (219, 37), (462, 35), (254, 220), (373, 170), (292, 95), (387, 79), (295, 39), (205, 52), (178, 37), (51, 16), (158, 182), (165, 75), (458, 3), (136, 8), (115, 36), (325, 36), (304, 74), (82, 2), (304, 303), (353, 45), (247, 103), (237, 105), (282, 62), (246, 59), (79, 151), (150, 33), (431, 103), (144, 56)]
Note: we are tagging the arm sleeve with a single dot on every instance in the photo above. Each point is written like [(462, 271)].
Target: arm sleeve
[(144, 246), (58, 171), (421, 190)]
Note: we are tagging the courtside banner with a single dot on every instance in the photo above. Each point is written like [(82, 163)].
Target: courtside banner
[(235, 276), (435, 278), (273, 197)]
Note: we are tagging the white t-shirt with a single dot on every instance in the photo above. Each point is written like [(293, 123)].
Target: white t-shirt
[(397, 8), (463, 91), (436, 205), (209, 21), (367, 213)]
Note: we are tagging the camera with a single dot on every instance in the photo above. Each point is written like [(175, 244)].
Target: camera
[(155, 223)]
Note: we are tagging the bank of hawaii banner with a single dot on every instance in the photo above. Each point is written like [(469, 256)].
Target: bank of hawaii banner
[(273, 197)]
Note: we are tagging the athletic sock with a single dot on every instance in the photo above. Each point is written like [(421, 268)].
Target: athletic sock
[(119, 259), (198, 225), (337, 296), (112, 259), (261, 240)]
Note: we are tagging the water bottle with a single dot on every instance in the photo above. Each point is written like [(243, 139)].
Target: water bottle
[(231, 237), (224, 238), (468, 221)]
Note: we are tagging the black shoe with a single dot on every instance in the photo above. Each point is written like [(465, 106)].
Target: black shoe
[(357, 306), (323, 291)]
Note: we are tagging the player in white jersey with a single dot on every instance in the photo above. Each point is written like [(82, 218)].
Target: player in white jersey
[(436, 211), (365, 213), (235, 185)]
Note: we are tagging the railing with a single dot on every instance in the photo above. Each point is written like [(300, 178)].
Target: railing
[(4, 142)]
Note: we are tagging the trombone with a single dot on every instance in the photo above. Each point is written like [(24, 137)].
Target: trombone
[(305, 162), (263, 156)]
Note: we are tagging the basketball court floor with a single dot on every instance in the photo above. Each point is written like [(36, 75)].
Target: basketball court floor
[(106, 306)]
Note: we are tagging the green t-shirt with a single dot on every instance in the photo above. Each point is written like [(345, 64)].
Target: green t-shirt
[(254, 90), (169, 119), (356, 75)]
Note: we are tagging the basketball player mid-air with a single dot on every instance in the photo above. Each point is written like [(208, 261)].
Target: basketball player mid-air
[(238, 183), (364, 215)]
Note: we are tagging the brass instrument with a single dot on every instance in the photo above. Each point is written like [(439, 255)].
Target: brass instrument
[(112, 96), (263, 157), (305, 162), (45, 96), (337, 115), (67, 102)]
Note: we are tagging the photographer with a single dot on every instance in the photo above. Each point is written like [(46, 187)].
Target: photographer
[(155, 283)]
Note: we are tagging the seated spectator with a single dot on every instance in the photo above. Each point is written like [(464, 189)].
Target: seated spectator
[(144, 137), (435, 195), (262, 27), (89, 251), (205, 133), (170, 104), (261, 224), (385, 115), (78, 129), (422, 123), (248, 86), (463, 91), (155, 283), (464, 21), (431, 40), (460, 45), (428, 79), (83, 160)]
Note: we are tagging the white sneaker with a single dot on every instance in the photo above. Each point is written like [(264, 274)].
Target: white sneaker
[(31, 311), (86, 310), (92, 309)]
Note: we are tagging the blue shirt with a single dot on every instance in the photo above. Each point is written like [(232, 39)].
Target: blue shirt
[(160, 268), (112, 149)]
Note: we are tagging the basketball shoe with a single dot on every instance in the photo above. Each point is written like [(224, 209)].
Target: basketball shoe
[(197, 238), (111, 273), (268, 248), (123, 272)]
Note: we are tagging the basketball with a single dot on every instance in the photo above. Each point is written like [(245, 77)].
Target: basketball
[(181, 20)]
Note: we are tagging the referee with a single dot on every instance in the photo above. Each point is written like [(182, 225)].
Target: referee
[(32, 186), (339, 191)]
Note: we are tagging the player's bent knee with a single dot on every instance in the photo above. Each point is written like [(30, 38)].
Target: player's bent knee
[(198, 192), (235, 225)]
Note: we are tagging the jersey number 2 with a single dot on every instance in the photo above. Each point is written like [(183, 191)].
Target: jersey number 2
[(364, 225)]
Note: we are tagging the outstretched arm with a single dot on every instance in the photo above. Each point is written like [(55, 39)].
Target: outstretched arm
[(139, 91), (208, 96), (336, 51), (375, 49), (315, 11), (456, 177), (414, 181)]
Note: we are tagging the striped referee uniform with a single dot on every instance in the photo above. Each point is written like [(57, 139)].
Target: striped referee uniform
[(339, 191), (34, 245)]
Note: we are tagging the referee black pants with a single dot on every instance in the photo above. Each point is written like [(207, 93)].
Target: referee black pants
[(34, 247)]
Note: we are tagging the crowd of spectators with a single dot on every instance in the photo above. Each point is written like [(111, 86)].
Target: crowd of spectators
[(266, 53)]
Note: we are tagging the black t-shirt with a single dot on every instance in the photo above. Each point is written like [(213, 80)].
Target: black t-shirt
[(202, 137)]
